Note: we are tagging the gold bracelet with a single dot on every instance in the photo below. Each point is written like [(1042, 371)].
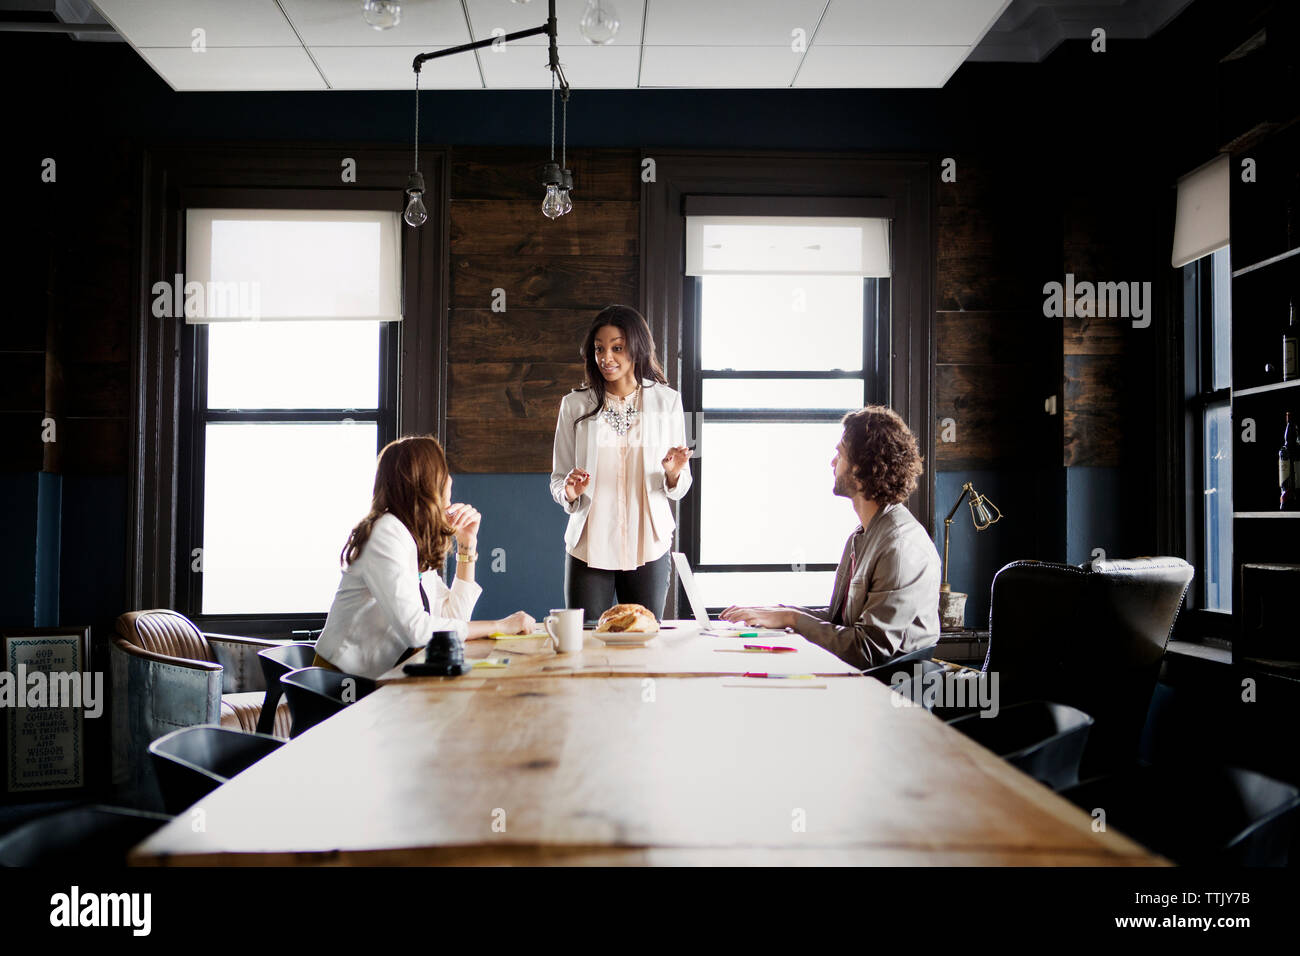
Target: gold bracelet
[(467, 556)]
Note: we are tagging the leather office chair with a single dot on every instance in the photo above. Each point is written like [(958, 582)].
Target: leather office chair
[(167, 674), (194, 761), (79, 837), (317, 693), (1043, 739), (1216, 816), (1091, 637), (276, 662)]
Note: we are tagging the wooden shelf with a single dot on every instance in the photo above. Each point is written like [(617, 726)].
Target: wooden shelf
[(1260, 389), (1266, 514), (1266, 262)]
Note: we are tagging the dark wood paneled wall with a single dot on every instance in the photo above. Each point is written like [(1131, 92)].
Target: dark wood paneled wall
[(1109, 373), (508, 371), (64, 351), (997, 357)]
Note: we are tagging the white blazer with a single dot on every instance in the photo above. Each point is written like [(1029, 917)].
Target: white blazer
[(377, 612), (663, 425)]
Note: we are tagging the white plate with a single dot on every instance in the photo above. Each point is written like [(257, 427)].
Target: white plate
[(622, 637)]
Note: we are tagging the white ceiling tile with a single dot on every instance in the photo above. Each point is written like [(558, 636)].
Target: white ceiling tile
[(433, 23), (389, 68), (908, 22), (879, 67), (720, 67), (225, 68), (586, 67), (489, 15), (226, 24), (712, 24)]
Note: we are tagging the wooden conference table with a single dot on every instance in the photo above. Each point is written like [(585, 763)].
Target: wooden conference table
[(671, 759)]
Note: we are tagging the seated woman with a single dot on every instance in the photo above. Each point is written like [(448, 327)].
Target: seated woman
[(381, 612)]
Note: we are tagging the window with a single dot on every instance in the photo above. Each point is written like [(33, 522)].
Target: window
[(1207, 304), (775, 359), (290, 404)]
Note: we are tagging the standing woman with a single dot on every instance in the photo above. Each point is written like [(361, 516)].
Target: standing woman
[(620, 457), (381, 611)]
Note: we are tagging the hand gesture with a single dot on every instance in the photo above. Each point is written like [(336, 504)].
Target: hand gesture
[(521, 622), (575, 483), (675, 460), (464, 523)]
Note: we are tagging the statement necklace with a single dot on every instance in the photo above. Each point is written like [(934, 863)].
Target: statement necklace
[(624, 416)]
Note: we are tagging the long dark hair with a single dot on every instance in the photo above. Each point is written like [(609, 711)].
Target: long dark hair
[(410, 480), (636, 339)]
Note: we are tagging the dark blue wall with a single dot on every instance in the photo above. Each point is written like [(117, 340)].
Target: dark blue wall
[(521, 520)]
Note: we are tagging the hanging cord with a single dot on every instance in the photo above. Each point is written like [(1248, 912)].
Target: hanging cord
[(564, 129), (417, 120), (552, 116)]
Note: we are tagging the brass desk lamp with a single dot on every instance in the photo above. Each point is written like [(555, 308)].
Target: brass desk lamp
[(952, 604)]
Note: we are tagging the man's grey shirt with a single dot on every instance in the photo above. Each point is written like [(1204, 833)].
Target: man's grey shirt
[(893, 597)]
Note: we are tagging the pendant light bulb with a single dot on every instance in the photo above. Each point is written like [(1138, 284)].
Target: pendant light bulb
[(381, 14), (551, 205), (416, 214), (599, 22)]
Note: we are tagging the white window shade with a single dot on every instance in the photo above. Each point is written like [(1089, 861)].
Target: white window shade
[(292, 264), (1201, 222), (787, 245)]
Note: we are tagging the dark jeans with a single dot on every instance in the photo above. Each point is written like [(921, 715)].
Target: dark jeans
[(597, 591)]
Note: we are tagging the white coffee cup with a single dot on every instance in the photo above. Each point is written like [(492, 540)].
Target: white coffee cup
[(564, 625)]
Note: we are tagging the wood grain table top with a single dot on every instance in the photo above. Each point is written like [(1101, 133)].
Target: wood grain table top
[(622, 770)]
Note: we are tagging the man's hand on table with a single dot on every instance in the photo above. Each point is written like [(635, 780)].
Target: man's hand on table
[(773, 617)]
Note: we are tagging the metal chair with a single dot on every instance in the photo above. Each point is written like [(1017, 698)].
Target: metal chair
[(167, 674), (276, 662), (80, 837), (882, 672), (316, 693), (960, 694), (1217, 816), (194, 761), (1043, 739)]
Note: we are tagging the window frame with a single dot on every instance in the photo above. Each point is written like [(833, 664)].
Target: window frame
[(1200, 397), (384, 415), (875, 315)]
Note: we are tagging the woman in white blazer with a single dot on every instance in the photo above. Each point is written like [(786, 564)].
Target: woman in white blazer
[(620, 457), (381, 611)]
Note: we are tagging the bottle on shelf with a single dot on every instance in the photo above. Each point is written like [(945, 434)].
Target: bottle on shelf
[(1290, 357), (1288, 469)]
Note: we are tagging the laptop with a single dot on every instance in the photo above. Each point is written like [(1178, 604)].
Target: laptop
[(698, 608)]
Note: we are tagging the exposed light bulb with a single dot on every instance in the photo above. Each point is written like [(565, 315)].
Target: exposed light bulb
[(415, 214), (599, 22), (566, 204), (381, 14), (551, 204)]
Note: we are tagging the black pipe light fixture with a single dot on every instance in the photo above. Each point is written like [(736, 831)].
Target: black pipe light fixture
[(557, 179)]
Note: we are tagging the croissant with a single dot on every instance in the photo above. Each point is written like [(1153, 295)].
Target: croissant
[(628, 617)]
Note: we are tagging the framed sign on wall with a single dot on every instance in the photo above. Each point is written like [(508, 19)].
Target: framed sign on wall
[(48, 696)]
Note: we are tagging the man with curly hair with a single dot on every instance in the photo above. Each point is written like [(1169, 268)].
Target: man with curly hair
[(886, 596)]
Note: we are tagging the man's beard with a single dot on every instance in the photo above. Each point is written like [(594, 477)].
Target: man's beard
[(843, 486)]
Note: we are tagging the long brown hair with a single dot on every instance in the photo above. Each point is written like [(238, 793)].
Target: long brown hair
[(410, 480), (638, 341)]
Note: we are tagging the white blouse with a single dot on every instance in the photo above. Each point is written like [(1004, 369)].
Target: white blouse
[(619, 534), (377, 612)]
